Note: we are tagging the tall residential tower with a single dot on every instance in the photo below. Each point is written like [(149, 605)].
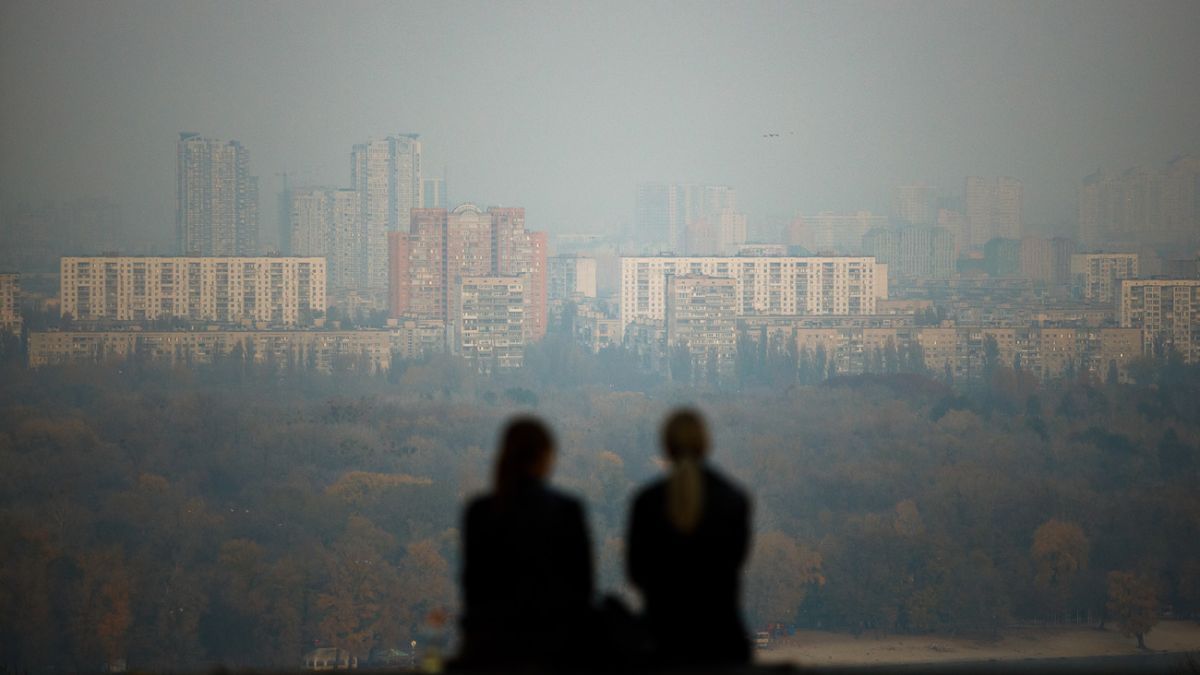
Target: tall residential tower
[(216, 198)]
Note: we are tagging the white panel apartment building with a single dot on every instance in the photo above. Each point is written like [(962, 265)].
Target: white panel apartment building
[(770, 286), (233, 290), (1167, 311)]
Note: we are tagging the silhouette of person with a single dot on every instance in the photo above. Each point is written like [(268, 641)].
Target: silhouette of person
[(527, 564), (688, 539)]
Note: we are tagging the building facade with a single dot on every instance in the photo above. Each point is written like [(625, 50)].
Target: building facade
[(325, 223), (663, 211), (779, 286), (1168, 313), (572, 277), (270, 290), (1142, 205), (10, 303), (701, 321), (912, 252), (322, 351), (386, 175), (994, 208), (216, 198), (1096, 277), (490, 328), (443, 247)]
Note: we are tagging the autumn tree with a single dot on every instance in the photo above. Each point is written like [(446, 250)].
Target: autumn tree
[(1060, 553), (781, 573), (1133, 602)]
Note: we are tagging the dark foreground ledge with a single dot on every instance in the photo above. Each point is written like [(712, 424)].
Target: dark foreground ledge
[(1151, 662)]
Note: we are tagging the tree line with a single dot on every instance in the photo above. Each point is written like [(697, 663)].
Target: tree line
[(179, 518)]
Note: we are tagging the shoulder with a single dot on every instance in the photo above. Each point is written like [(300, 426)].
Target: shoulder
[(478, 506), (722, 485), (565, 501), (650, 494)]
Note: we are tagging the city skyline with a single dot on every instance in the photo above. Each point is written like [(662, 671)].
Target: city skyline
[(784, 154)]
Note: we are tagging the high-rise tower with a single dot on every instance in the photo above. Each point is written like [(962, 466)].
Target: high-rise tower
[(386, 174), (216, 198)]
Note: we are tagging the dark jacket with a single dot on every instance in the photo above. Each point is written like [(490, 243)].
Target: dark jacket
[(526, 577), (691, 583)]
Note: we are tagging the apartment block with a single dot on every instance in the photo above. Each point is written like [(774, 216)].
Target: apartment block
[(322, 351), (386, 176), (995, 208), (268, 290), (1096, 277), (216, 198), (701, 318), (1168, 313), (10, 303), (572, 277), (427, 265), (779, 286), (596, 330), (490, 327), (912, 252)]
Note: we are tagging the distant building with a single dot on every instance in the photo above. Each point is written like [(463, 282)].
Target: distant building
[(1168, 313), (414, 338), (365, 351), (829, 233), (1096, 277), (995, 209), (1002, 257), (781, 286), (490, 328), (701, 318), (1142, 205), (956, 224), (762, 250), (596, 330), (269, 290), (427, 265), (914, 204), (572, 277), (325, 223), (386, 174), (10, 303), (663, 211), (912, 252), (216, 198), (433, 193)]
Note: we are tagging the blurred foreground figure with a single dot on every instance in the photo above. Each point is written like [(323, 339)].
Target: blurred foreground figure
[(688, 538), (527, 565)]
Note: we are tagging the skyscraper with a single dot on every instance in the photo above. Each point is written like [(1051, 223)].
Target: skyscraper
[(386, 174), (664, 212), (995, 208), (325, 222), (1142, 205), (433, 193), (914, 204), (216, 198)]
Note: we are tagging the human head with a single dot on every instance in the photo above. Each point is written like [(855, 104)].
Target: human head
[(526, 454), (685, 436)]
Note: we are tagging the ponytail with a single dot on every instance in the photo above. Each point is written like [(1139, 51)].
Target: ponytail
[(685, 495), (686, 442)]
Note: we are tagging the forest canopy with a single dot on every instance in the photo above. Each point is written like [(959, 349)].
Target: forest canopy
[(177, 519)]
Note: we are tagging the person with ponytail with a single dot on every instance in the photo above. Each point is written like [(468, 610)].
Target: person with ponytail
[(689, 535), (527, 561)]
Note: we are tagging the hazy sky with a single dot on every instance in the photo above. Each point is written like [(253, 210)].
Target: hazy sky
[(562, 107)]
